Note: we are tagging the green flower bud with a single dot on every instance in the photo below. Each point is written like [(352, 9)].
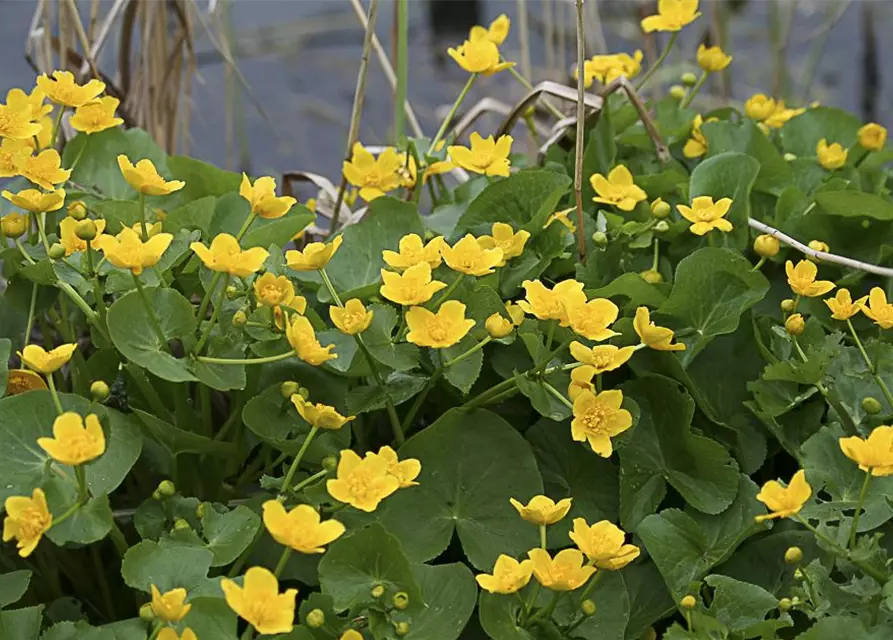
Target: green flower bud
[(231, 292), (99, 391), (688, 602), (289, 388), (787, 305), (793, 555), (330, 463), (600, 238), (677, 91), (587, 607), (147, 613), (785, 604), (400, 600), (662, 227), (689, 79), (871, 406), (85, 230), (315, 619), (240, 318), (798, 574), (660, 209), (795, 325), (790, 157), (167, 488), (401, 628), (377, 590), (77, 210), (651, 276), (156, 495), (56, 252), (180, 524)]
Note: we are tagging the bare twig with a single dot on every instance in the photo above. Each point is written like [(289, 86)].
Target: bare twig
[(578, 147), (546, 87)]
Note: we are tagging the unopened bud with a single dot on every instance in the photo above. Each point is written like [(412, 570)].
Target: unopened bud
[(795, 324), (180, 524), (14, 225), (677, 91), (377, 590), (99, 391), (688, 602), (289, 388), (793, 555), (871, 406), (231, 292), (766, 246), (817, 245), (785, 604), (401, 628), (662, 226), (400, 600), (798, 574), (315, 619), (330, 463), (787, 305), (85, 230), (587, 607), (660, 209), (156, 495), (689, 79), (77, 210), (147, 613), (56, 252), (240, 318), (790, 157), (167, 488), (651, 276), (600, 238)]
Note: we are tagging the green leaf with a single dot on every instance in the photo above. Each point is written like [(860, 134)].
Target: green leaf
[(194, 215), (498, 615), (211, 618), (279, 231), (167, 567), (378, 338), (686, 545), (132, 333), (228, 534), (450, 593), (663, 448), (855, 203), (837, 627), (358, 262), (525, 200), (728, 175), (541, 399), (737, 604), (775, 173), (21, 624), (713, 287), (801, 134), (178, 441), (90, 523), (13, 586), (118, 214), (401, 387), (202, 179), (612, 609), (464, 373), (79, 630), (633, 290), (356, 563)]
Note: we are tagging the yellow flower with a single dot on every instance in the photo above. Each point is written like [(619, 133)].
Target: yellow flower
[(593, 319), (598, 418), (607, 68), (603, 544), (73, 443), (351, 634), (498, 326), (262, 198), (781, 115), (653, 336), (70, 240), (438, 330), (617, 189), (581, 380), (22, 380), (226, 256), (696, 145), (784, 502), (46, 362), (13, 225), (144, 177), (37, 201), (15, 123), (272, 291), (516, 313), (759, 107), (96, 116), (496, 33), (469, 257), (872, 136), (706, 215), (413, 286), (152, 229), (12, 155), (561, 217), (672, 15), (406, 471), (259, 602), (831, 156), (44, 169), (412, 251), (802, 279), (712, 59), (62, 89), (170, 606), (487, 156), (542, 510), (552, 304), (505, 238), (27, 519), (315, 255), (564, 572), (362, 482), (169, 633), (479, 55), (878, 309), (300, 529), (127, 251), (873, 454), (842, 305), (33, 103), (302, 338), (374, 177), (602, 358), (818, 245), (321, 416), (352, 318), (509, 576)]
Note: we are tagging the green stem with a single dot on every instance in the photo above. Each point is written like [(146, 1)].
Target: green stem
[(244, 361), (658, 62), (546, 611), (480, 345), (880, 576), (871, 366), (52, 387), (283, 560), (420, 399), (306, 481), (83, 491), (655, 261), (862, 495), (451, 113), (42, 230), (246, 225), (286, 482), (206, 300), (826, 394), (118, 539), (694, 90), (550, 335), (447, 292), (57, 124), (555, 392), (592, 582), (25, 254), (68, 513), (143, 226), (759, 264), (531, 602), (214, 315), (543, 536), (149, 310), (402, 25), (527, 85), (97, 287), (31, 308)]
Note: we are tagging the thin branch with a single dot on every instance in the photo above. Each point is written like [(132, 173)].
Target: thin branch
[(581, 123)]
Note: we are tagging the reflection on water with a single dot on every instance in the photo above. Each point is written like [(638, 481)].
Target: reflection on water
[(301, 59)]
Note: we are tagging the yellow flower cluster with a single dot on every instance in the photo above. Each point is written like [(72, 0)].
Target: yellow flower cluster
[(480, 53), (608, 67), (771, 113)]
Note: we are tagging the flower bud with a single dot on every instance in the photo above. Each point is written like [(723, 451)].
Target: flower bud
[(662, 226), (200, 510), (56, 252), (156, 495), (766, 246), (871, 406), (651, 276), (77, 210), (167, 488), (660, 209), (330, 463), (377, 590), (400, 600), (790, 157), (793, 555), (14, 225), (240, 318), (401, 628), (689, 79), (498, 326), (315, 619), (785, 604), (99, 391), (688, 602), (795, 324), (85, 230), (587, 607), (677, 91), (600, 239), (180, 524), (787, 305), (231, 292), (289, 388), (798, 574), (817, 245), (147, 613)]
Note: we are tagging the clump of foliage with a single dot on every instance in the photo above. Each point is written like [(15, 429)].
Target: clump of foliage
[(488, 409)]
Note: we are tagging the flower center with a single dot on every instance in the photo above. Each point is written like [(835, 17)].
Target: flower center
[(595, 418), (437, 330), (272, 295)]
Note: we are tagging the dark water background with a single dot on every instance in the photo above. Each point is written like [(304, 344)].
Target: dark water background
[(301, 57)]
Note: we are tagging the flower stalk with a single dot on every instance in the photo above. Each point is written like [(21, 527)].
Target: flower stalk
[(451, 113)]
